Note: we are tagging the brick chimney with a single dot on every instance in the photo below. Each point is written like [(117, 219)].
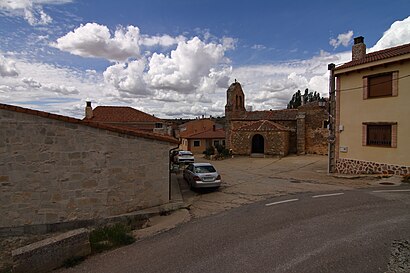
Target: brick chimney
[(358, 49), (88, 110)]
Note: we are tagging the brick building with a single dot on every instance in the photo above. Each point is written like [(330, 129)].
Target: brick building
[(274, 132)]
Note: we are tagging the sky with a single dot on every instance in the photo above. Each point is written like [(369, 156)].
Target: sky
[(176, 59)]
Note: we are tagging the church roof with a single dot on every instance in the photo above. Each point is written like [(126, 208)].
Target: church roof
[(263, 125), (285, 114)]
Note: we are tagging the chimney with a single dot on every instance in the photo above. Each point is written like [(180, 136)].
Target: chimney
[(213, 127), (88, 110), (358, 49)]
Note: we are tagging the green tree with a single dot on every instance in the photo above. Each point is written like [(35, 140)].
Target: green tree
[(307, 96)]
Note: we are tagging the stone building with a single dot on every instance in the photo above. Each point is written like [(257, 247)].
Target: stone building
[(274, 132), (56, 169)]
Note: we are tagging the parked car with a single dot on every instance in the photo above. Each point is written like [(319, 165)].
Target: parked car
[(184, 157), (202, 175)]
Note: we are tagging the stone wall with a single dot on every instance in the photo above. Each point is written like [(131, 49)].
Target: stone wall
[(316, 135), (352, 166), (54, 171), (276, 142), (51, 253)]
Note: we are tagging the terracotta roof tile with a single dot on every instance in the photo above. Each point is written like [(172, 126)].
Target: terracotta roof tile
[(285, 114), (117, 129), (218, 133), (263, 125), (121, 114), (378, 55)]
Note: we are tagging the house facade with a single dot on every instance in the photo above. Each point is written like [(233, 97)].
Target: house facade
[(372, 111), (56, 169), (197, 143), (274, 132), (199, 134)]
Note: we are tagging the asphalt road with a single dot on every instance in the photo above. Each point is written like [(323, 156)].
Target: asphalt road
[(347, 231)]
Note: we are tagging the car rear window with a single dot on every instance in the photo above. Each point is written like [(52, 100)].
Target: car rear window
[(205, 169)]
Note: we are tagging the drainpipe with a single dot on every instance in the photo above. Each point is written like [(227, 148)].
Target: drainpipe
[(169, 171), (332, 120)]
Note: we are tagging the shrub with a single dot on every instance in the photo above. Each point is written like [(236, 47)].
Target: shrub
[(209, 151), (108, 237), (406, 178)]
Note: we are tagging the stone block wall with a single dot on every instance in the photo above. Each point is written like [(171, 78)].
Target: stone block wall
[(352, 166), (54, 171), (316, 136), (276, 143), (51, 253)]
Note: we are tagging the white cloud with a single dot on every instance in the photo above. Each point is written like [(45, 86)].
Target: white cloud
[(185, 67), (187, 78), (128, 77), (258, 47), (31, 10), (164, 40), (94, 40), (397, 34), (7, 67), (342, 39)]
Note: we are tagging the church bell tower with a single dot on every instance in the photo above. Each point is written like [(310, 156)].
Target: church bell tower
[(235, 101)]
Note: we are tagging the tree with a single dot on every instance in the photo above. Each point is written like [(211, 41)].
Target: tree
[(297, 98)]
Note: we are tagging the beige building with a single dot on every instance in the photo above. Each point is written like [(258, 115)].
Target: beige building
[(372, 111), (199, 134)]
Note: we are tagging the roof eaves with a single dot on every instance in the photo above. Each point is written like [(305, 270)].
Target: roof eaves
[(88, 123)]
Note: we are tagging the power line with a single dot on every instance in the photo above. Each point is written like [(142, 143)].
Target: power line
[(361, 87)]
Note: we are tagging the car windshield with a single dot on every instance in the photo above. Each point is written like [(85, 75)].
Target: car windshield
[(185, 153), (205, 169)]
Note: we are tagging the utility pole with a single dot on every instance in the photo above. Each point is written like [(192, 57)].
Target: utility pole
[(332, 120)]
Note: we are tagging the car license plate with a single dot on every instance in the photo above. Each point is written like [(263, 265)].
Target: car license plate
[(208, 178)]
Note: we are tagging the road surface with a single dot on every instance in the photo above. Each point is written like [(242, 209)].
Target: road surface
[(344, 231)]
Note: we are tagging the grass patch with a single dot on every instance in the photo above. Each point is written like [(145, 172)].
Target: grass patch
[(109, 237)]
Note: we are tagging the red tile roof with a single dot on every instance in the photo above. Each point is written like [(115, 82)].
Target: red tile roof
[(378, 55), (117, 129), (121, 114), (285, 114), (263, 125), (218, 133)]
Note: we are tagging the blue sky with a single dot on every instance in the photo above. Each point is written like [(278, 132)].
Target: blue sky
[(177, 58)]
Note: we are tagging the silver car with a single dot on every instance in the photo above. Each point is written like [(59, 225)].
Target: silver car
[(202, 175), (184, 157)]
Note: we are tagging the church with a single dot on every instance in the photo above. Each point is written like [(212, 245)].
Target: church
[(274, 132)]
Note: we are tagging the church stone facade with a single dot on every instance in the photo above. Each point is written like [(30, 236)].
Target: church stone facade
[(274, 132)]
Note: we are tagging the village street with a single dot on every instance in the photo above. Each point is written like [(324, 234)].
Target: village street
[(247, 180), (300, 220)]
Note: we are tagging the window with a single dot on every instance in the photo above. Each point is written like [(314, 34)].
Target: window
[(380, 134), (216, 143), (158, 125), (197, 143), (380, 85)]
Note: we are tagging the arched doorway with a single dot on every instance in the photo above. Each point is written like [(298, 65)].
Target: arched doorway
[(258, 144)]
